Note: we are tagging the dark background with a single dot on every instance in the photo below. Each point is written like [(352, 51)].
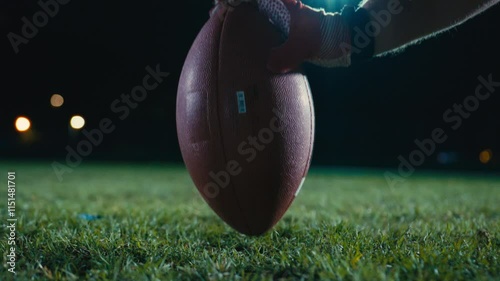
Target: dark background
[(367, 115)]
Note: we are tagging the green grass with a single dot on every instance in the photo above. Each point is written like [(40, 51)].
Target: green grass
[(345, 225)]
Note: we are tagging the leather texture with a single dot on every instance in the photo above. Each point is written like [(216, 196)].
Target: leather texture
[(218, 129)]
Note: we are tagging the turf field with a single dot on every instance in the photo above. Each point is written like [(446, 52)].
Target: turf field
[(345, 225)]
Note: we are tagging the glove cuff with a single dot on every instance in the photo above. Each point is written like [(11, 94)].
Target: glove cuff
[(335, 46)]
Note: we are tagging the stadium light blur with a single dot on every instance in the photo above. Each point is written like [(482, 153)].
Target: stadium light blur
[(485, 156), (22, 124), (56, 100), (77, 122)]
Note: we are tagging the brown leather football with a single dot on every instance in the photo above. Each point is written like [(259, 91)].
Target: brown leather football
[(246, 134)]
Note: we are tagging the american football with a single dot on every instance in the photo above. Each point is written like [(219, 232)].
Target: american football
[(246, 134)]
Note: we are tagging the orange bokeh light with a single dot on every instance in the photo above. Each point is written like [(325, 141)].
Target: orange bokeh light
[(485, 156), (56, 100)]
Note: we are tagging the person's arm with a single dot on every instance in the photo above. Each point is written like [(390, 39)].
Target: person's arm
[(331, 39), (420, 19)]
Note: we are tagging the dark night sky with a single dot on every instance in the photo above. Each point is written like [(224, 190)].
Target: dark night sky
[(367, 115)]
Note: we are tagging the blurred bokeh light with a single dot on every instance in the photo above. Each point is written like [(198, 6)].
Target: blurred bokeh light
[(22, 124), (447, 158), (56, 100), (77, 122), (485, 156)]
